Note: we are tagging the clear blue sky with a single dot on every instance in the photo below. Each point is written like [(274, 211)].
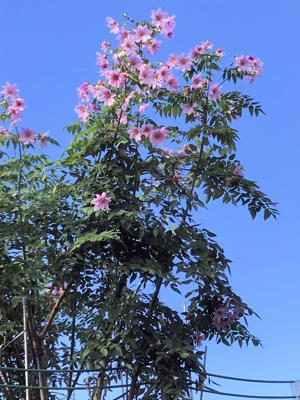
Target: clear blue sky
[(48, 48)]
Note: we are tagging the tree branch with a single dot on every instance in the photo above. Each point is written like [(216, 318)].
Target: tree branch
[(53, 312)]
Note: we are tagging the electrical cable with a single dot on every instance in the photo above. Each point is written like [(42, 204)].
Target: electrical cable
[(246, 379), (204, 390), (50, 371), (248, 396)]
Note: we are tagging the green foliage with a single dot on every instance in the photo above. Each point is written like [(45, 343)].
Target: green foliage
[(108, 268)]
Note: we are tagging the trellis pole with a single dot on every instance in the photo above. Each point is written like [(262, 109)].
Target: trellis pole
[(26, 356)]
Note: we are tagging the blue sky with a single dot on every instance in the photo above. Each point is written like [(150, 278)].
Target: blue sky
[(48, 48)]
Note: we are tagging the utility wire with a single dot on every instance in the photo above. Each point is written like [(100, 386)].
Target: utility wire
[(59, 387), (204, 390), (210, 391), (246, 379), (248, 396), (52, 371)]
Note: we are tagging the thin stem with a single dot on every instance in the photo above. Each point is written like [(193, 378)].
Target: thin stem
[(53, 312), (196, 172), (133, 386)]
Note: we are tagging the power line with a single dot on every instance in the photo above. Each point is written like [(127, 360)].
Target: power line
[(246, 379), (206, 390), (52, 371), (248, 396)]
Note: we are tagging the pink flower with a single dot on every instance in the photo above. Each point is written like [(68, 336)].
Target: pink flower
[(199, 338), (256, 68), (199, 49), (168, 25), (134, 60), (197, 82), (215, 92), (146, 75), (168, 153), (187, 108), (158, 136), (123, 34), (239, 170), (105, 46), (220, 53), (44, 139), (82, 112), (178, 177), (157, 17), (129, 46), (186, 149), (101, 202), (127, 101), (3, 131), (143, 107), (15, 114), (225, 315), (27, 136), (112, 25), (219, 318), (101, 61), (183, 62), (242, 63), (10, 91), (142, 34), (172, 61), (207, 45), (92, 107), (154, 45), (257, 63), (156, 83), (164, 73), (172, 83), (194, 55), (135, 133), (83, 91), (106, 96), (19, 104), (116, 78), (146, 130), (122, 117), (57, 291)]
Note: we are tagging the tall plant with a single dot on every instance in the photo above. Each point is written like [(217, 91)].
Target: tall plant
[(111, 228)]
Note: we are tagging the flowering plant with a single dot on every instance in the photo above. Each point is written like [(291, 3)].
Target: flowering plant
[(154, 145)]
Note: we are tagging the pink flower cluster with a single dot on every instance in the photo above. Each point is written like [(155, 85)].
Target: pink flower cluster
[(128, 64), (163, 22), (87, 93), (13, 106), (224, 316), (156, 136), (251, 66)]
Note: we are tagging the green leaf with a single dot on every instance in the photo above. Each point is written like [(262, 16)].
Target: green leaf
[(92, 237)]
